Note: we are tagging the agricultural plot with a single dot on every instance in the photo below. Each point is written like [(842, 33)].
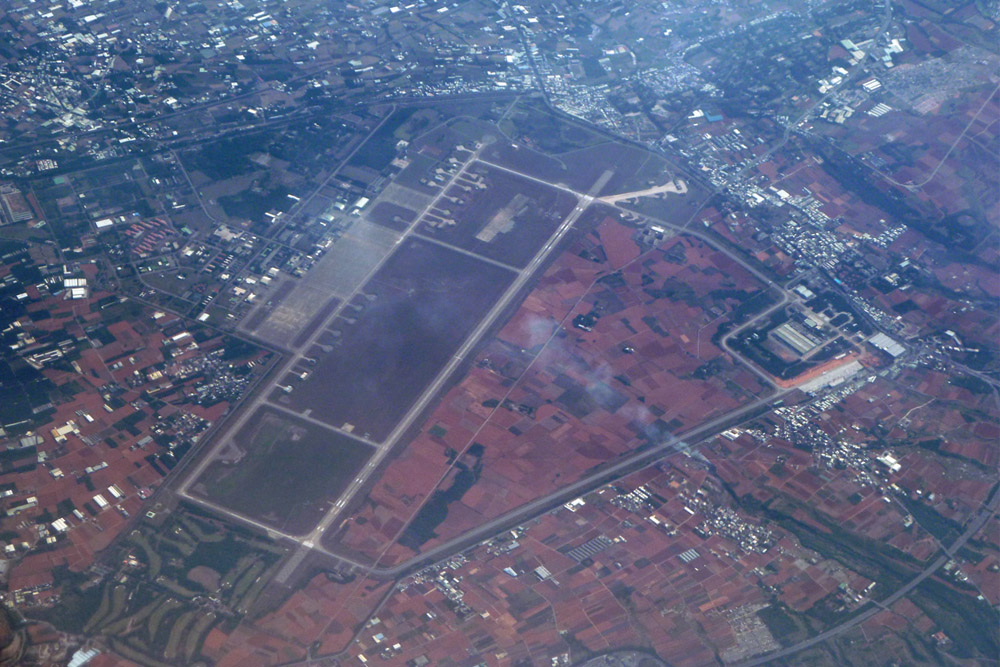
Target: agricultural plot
[(615, 348)]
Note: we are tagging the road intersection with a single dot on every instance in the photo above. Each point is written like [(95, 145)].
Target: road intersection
[(601, 475), (311, 542)]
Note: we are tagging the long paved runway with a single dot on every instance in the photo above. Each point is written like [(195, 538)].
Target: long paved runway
[(602, 476)]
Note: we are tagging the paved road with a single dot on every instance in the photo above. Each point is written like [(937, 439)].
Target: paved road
[(468, 253), (767, 379), (635, 461), (383, 449), (913, 187), (984, 515), (678, 188), (660, 221), (319, 423), (858, 67), (431, 392), (600, 477), (630, 463), (263, 397), (19, 148)]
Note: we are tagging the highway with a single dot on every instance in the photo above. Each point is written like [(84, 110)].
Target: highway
[(263, 396), (602, 476), (596, 479), (982, 517), (431, 392), (383, 449), (599, 477)]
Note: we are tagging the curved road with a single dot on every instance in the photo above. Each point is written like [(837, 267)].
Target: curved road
[(985, 513), (632, 462), (635, 461)]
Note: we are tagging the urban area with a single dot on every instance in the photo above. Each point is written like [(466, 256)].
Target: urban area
[(452, 333)]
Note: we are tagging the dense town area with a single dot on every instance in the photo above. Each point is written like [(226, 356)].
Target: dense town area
[(463, 332)]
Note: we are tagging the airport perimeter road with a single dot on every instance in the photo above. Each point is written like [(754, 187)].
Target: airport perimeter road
[(666, 223), (764, 377), (975, 525), (263, 395), (431, 392), (632, 462)]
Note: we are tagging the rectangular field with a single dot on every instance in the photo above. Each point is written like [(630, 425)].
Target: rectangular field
[(389, 344), (497, 214), (282, 470), (615, 348)]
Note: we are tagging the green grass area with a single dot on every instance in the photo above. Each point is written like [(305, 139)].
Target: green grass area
[(182, 547), (130, 652), (198, 530), (259, 449), (78, 604), (132, 623), (176, 588), (944, 529), (118, 598), (283, 448), (101, 613), (195, 637), (546, 131), (243, 603), (177, 633), (152, 619), (421, 166), (241, 566), (875, 559), (156, 619), (245, 581), (380, 148), (154, 561), (22, 232), (972, 626), (226, 158), (782, 624), (252, 204)]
